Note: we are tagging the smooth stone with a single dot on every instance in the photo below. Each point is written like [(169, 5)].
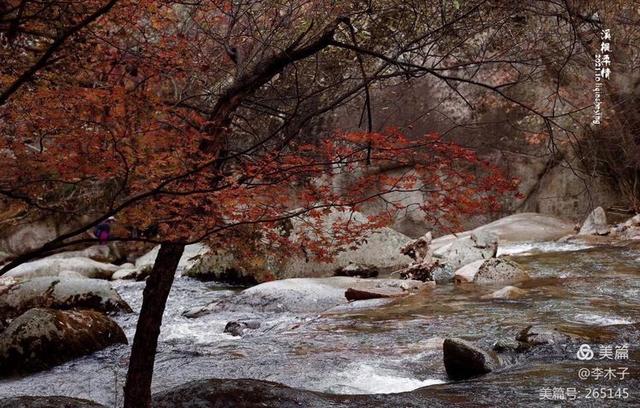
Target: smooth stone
[(53, 266)]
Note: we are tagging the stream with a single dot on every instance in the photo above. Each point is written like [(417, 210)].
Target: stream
[(593, 293)]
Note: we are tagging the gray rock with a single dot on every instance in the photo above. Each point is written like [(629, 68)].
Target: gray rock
[(42, 338), (468, 249), (500, 270), (464, 360), (521, 227), (138, 274), (304, 295), (59, 293), (595, 224), (53, 266), (494, 270)]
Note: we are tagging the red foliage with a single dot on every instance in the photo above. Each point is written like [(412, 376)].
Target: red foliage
[(104, 127)]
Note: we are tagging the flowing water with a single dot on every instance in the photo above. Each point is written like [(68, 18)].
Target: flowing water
[(593, 293)]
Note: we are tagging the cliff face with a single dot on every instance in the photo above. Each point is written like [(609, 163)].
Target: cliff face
[(552, 179)]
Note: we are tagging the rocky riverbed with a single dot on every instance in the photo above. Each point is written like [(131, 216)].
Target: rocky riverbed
[(494, 315), (390, 345)]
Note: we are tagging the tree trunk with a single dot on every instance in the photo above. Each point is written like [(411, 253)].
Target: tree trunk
[(137, 390)]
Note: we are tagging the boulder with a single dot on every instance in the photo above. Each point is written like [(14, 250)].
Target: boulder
[(42, 338), (494, 270), (522, 227), (464, 360), (304, 295), (100, 253), (59, 293), (506, 293), (595, 224), (442, 274), (379, 249), (238, 328), (53, 266), (467, 249)]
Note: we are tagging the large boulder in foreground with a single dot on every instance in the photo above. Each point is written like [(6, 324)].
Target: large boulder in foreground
[(59, 293), (306, 295), (494, 270), (463, 359), (522, 227), (52, 266), (42, 338)]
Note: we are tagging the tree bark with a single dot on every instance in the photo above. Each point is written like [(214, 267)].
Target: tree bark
[(137, 390)]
